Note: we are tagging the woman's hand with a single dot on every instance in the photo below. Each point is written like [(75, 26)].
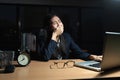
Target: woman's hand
[(57, 32), (95, 57)]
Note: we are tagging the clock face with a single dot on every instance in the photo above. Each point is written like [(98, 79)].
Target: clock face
[(23, 59)]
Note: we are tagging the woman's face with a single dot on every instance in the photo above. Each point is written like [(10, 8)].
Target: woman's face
[(57, 23)]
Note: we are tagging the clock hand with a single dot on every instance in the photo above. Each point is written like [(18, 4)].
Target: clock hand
[(22, 59)]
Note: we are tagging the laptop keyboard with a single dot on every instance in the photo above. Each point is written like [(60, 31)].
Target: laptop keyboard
[(96, 65)]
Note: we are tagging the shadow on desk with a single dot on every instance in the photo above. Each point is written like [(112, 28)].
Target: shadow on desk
[(109, 71), (1, 71), (111, 78), (102, 74)]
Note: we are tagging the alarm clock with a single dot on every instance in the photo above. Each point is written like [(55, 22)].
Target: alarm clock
[(23, 59)]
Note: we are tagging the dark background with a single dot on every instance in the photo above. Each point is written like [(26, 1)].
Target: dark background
[(85, 20)]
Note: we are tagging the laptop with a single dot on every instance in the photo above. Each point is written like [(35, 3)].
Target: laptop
[(111, 54)]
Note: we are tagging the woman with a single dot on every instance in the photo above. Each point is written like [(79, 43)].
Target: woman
[(59, 45)]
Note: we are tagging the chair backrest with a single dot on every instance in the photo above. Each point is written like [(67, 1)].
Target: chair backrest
[(28, 42)]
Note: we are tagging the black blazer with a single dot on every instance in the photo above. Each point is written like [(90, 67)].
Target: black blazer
[(71, 49)]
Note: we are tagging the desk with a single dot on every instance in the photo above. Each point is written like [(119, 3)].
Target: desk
[(38, 70)]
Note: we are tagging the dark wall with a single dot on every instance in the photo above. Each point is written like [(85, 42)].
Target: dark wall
[(112, 15), (31, 17), (81, 3), (83, 23), (85, 20), (92, 32), (8, 27)]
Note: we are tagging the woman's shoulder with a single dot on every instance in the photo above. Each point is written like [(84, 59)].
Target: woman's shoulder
[(66, 35)]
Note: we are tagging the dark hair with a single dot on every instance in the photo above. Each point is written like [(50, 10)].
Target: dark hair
[(47, 21), (47, 25), (44, 41)]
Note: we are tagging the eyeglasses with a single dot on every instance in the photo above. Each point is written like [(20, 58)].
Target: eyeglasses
[(61, 65)]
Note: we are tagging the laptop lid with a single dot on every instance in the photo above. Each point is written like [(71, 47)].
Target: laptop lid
[(111, 54)]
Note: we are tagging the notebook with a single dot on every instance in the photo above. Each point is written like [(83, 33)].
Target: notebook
[(111, 54)]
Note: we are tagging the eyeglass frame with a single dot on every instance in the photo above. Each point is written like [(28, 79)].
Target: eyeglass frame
[(65, 63)]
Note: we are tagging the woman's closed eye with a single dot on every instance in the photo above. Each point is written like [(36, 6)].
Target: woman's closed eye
[(54, 23), (59, 21)]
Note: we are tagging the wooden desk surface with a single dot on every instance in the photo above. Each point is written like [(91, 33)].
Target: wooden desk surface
[(38, 70)]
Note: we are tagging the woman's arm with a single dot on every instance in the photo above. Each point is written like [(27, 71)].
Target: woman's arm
[(47, 51), (78, 52)]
